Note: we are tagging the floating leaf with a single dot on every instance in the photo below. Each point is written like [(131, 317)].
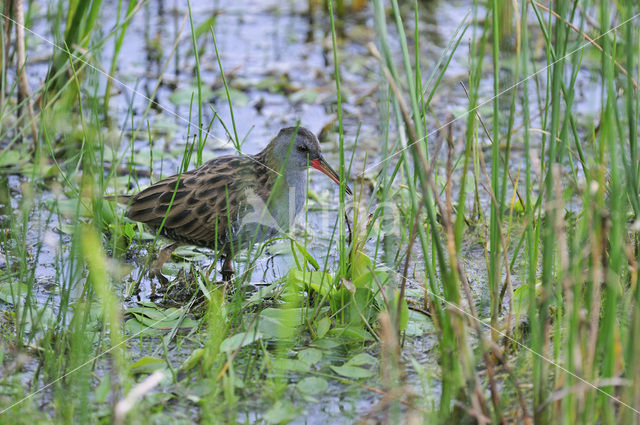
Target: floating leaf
[(312, 385), (362, 359), (327, 344), (191, 253), (239, 340), (152, 316), (290, 365), (354, 372), (310, 356)]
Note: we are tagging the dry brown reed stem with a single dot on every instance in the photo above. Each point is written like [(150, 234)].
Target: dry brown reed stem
[(23, 83), (586, 37), (390, 348), (392, 376), (6, 37)]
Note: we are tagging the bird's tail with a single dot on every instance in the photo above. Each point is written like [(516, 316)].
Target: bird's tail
[(121, 199)]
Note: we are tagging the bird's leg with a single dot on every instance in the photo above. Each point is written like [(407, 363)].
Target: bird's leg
[(163, 256), (227, 268)]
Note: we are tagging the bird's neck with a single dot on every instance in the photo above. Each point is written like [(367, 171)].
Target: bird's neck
[(286, 187)]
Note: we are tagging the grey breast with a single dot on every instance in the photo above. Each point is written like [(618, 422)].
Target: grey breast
[(261, 219)]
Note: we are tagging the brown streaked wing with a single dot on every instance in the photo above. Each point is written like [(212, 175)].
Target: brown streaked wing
[(205, 196)]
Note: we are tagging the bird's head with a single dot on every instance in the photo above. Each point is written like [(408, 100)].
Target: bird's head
[(300, 148)]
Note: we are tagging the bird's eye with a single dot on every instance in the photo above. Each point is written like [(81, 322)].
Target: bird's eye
[(302, 148)]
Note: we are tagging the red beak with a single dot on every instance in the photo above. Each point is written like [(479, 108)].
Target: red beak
[(322, 165)]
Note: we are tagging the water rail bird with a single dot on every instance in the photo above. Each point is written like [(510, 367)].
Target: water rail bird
[(233, 201)]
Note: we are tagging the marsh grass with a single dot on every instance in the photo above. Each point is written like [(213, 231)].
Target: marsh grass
[(557, 341)]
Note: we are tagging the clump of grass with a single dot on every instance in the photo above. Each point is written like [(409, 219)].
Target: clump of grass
[(556, 288)]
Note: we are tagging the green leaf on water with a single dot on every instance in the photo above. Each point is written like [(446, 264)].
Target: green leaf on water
[(328, 344), (69, 207), (362, 359), (239, 340), (312, 385), (290, 365), (153, 316), (310, 356), (190, 253), (134, 327), (354, 372)]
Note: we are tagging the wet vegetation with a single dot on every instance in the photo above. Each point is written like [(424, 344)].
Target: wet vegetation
[(484, 271)]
